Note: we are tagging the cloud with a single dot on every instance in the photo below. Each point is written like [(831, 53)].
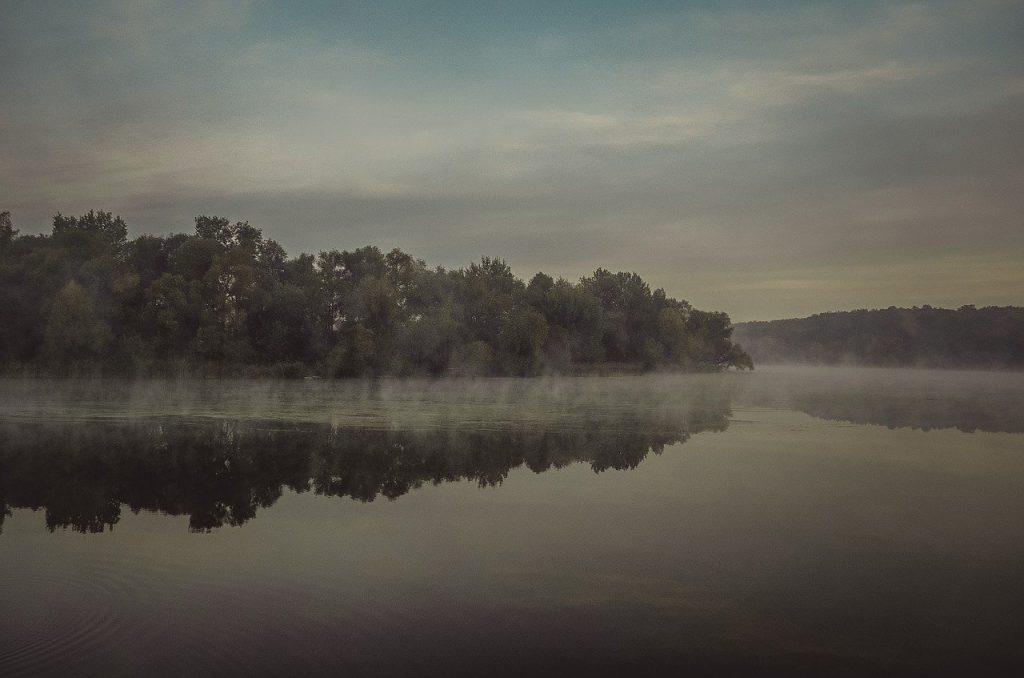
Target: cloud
[(693, 145), (537, 129), (782, 87)]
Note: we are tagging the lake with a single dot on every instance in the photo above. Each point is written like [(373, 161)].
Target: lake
[(787, 521)]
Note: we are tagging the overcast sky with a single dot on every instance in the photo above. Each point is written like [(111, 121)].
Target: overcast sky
[(766, 159)]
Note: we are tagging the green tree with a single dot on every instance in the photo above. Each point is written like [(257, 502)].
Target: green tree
[(73, 332), (7, 232)]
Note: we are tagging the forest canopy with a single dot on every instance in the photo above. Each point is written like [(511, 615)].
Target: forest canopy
[(86, 299)]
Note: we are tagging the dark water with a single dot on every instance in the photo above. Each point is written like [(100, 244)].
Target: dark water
[(806, 521)]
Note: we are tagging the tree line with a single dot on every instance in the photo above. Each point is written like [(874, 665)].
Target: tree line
[(86, 299), (990, 337)]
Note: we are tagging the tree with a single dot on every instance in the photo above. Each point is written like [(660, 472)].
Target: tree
[(522, 337), (111, 230), (73, 332), (7, 231), (217, 229)]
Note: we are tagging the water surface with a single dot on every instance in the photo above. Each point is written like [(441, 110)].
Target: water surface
[(787, 521)]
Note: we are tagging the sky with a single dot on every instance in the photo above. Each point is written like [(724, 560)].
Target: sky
[(769, 160)]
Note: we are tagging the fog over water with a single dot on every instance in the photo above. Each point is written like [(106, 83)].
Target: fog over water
[(273, 275), (790, 520)]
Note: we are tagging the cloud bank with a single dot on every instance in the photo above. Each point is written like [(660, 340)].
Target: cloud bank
[(770, 162)]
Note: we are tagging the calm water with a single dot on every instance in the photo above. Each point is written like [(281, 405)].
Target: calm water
[(787, 521)]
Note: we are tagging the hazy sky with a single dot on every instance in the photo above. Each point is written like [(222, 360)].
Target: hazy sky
[(765, 159)]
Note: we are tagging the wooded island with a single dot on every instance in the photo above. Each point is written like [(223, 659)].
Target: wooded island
[(86, 299)]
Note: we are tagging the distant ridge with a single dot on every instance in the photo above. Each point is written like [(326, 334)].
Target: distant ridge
[(989, 337)]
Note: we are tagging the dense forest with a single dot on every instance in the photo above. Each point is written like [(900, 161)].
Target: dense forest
[(990, 337), (86, 299)]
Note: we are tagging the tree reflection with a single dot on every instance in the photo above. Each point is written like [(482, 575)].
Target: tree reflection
[(925, 411), (221, 473), (918, 399)]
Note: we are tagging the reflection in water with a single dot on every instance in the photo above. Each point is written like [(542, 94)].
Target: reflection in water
[(786, 545), (218, 452), (924, 412), (220, 473), (919, 399)]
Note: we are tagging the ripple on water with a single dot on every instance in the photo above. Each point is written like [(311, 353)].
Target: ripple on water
[(77, 608), (120, 611), (95, 615)]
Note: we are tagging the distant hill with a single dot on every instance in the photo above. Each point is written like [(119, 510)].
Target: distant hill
[(990, 337)]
